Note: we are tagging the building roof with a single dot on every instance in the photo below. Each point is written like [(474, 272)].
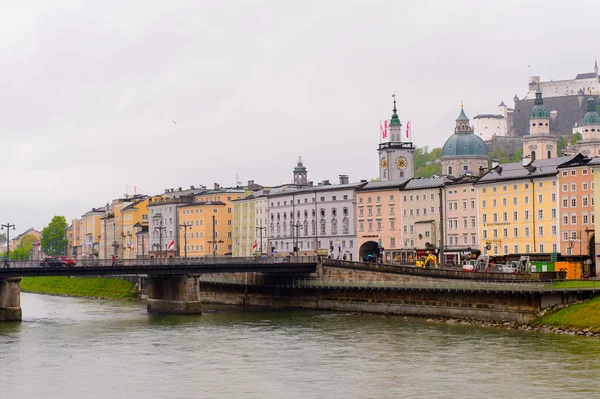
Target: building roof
[(516, 170), (395, 121), (591, 117), (310, 189), (426, 182), (464, 145), (539, 111), (489, 116), (588, 75), (382, 185), (502, 104)]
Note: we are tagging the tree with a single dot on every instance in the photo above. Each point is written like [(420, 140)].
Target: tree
[(576, 137), (562, 143), (53, 236)]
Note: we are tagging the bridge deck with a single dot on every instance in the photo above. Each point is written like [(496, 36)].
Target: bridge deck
[(162, 267)]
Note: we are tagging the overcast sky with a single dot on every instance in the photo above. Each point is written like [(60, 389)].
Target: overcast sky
[(89, 90)]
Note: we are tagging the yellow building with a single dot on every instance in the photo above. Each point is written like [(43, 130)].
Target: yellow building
[(518, 208), (135, 213), (250, 215), (90, 232), (206, 224)]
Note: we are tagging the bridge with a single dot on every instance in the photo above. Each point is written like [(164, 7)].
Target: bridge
[(173, 283)]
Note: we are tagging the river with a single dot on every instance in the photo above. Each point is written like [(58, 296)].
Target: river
[(80, 348)]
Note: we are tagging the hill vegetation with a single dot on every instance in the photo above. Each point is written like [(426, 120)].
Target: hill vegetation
[(105, 288)]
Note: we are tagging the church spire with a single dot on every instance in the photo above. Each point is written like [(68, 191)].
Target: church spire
[(539, 100), (395, 121), (462, 122)]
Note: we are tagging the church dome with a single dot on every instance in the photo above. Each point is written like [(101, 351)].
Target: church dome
[(539, 111), (463, 143), (591, 117)]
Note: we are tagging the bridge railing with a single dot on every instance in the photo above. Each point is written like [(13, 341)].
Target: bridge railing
[(175, 261)]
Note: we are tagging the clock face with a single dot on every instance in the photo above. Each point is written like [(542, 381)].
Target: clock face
[(401, 163), (384, 163)]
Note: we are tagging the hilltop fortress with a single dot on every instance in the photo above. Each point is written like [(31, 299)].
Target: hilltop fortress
[(566, 100)]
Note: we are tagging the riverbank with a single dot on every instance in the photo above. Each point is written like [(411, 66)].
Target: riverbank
[(581, 318), (102, 288)]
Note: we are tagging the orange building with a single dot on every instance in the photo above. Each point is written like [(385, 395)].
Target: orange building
[(576, 185)]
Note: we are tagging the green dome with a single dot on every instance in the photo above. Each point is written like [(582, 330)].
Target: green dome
[(591, 117), (539, 111), (464, 145)]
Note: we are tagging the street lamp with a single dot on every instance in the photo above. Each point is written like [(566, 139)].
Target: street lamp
[(160, 230), (260, 229), (185, 226), (8, 226)]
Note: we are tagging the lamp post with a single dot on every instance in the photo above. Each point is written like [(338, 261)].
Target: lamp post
[(296, 226), (160, 230), (8, 226), (185, 226), (260, 229)]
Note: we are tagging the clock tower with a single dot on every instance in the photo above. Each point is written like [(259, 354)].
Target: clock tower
[(396, 152)]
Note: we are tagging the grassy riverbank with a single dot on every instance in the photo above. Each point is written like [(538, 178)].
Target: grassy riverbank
[(106, 288), (578, 316)]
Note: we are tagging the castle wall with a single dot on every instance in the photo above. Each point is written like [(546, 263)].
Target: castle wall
[(560, 88), (565, 112)]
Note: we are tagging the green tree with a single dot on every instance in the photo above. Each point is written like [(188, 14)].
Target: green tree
[(517, 156), (575, 138), (53, 239), (562, 143)]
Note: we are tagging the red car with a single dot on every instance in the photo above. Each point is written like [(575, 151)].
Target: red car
[(59, 260)]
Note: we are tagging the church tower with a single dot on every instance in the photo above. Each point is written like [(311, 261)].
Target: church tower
[(590, 132), (539, 144), (396, 152), (300, 174)]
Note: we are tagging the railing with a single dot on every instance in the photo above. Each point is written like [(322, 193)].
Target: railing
[(436, 285), (177, 261)]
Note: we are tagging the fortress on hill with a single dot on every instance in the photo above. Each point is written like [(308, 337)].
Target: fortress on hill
[(567, 102)]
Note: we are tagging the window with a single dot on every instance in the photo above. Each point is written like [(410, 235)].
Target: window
[(565, 219), (361, 225), (573, 219), (540, 214), (573, 202), (494, 203), (505, 216), (553, 197), (541, 248), (333, 198), (565, 202), (505, 249), (378, 225), (495, 233), (584, 186), (505, 232), (515, 201), (526, 215), (483, 203), (573, 172), (554, 230), (526, 200), (553, 213), (573, 186), (485, 236), (503, 201), (515, 216), (573, 235), (565, 236), (495, 217), (585, 218), (392, 224), (392, 242), (584, 201), (565, 187), (526, 231), (541, 231), (516, 248), (527, 248), (515, 232), (485, 218)]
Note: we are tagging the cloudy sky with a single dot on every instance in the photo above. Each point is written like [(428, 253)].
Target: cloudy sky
[(90, 89)]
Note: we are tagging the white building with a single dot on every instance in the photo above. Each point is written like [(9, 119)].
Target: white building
[(314, 217), (584, 83), (490, 125)]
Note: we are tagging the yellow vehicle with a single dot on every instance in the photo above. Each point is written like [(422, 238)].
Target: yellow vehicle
[(429, 262)]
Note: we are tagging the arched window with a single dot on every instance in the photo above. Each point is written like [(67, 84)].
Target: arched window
[(532, 156), (305, 228), (345, 226), (334, 229), (549, 154), (449, 170)]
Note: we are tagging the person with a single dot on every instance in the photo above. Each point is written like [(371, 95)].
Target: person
[(113, 260)]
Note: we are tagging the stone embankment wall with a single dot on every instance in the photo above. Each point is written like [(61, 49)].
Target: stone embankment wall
[(276, 292)]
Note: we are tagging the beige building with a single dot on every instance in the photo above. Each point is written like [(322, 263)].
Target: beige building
[(539, 144)]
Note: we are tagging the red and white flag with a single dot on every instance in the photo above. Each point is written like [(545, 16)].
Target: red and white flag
[(171, 245), (408, 129), (383, 129), (254, 245)]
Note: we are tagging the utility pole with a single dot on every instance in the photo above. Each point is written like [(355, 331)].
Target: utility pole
[(296, 226), (214, 237), (160, 230), (260, 229), (185, 226), (8, 226)]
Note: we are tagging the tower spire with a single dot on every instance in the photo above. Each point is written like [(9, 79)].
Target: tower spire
[(539, 100), (395, 121)]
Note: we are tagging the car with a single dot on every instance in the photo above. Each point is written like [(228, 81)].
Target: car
[(57, 261), (70, 262)]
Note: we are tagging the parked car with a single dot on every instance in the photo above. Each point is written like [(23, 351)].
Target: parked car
[(57, 261), (69, 261)]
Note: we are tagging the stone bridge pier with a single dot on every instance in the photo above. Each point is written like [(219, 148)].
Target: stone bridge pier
[(173, 294), (10, 299)]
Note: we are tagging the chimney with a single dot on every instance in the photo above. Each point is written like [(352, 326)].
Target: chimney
[(217, 186), (250, 183), (310, 184), (191, 187), (179, 188), (481, 170), (344, 179), (166, 190), (172, 190), (526, 160), (495, 163), (326, 183)]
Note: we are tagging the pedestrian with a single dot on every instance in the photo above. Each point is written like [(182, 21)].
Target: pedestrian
[(113, 260)]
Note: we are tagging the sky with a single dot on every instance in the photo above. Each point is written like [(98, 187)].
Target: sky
[(99, 99)]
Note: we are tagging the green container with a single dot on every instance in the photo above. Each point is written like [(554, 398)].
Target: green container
[(542, 266)]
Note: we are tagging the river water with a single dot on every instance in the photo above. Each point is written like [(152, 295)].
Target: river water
[(80, 348)]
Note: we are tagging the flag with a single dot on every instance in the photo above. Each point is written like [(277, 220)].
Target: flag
[(254, 245), (171, 245), (408, 128), (383, 129)]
